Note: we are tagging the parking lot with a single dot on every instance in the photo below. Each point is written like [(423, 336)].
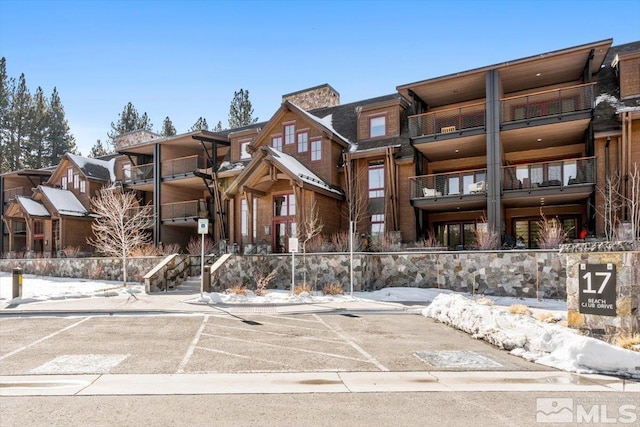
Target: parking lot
[(234, 343)]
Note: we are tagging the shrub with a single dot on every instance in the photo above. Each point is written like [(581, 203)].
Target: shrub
[(485, 236), (171, 248), (332, 289), (195, 243), (71, 251), (548, 317), (144, 250), (629, 342), (304, 287), (484, 301), (519, 309), (237, 290), (262, 280), (551, 233)]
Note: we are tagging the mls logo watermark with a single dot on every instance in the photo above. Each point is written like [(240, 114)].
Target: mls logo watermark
[(604, 411)]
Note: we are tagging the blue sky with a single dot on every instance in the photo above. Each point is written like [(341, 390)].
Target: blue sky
[(184, 59)]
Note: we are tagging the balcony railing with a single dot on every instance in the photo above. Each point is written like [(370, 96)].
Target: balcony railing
[(448, 184), (180, 210), (560, 173), (11, 193), (447, 121), (182, 166), (138, 173), (547, 103)]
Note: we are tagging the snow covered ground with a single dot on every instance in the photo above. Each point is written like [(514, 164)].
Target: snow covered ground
[(486, 318)]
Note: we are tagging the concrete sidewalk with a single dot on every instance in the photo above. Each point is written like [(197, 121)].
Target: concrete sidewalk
[(185, 302), (307, 382)]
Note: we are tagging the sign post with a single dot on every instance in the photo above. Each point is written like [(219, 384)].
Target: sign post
[(597, 289), (293, 248), (203, 228)]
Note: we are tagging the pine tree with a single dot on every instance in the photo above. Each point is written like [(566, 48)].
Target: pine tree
[(200, 124), (36, 153), (18, 123), (61, 140), (167, 127), (128, 121), (4, 113), (98, 150), (218, 127), (240, 110)]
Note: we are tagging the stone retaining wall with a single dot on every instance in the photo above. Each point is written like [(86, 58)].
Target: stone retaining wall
[(504, 273), (87, 268)]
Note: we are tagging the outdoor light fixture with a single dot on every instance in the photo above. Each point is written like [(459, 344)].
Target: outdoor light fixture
[(267, 230)]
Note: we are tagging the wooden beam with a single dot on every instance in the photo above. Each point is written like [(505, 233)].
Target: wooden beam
[(254, 191)]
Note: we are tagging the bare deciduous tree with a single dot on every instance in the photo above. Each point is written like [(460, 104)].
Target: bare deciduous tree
[(120, 225), (616, 200), (357, 201), (311, 227)]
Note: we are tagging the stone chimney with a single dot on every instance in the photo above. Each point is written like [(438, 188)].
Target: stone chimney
[(313, 98), (134, 138)]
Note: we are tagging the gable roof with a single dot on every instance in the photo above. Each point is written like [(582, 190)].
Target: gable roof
[(32, 207), (96, 169), (64, 202), (324, 122)]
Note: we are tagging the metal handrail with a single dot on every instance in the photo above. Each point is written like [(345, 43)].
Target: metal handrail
[(547, 103), (448, 120), (186, 208), (182, 165), (445, 184), (555, 173)]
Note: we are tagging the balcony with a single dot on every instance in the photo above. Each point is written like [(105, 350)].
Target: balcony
[(181, 211), (182, 166), (561, 173), (140, 173), (447, 121), (439, 191), (550, 103)]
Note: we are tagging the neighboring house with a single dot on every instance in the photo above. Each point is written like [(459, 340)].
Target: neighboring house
[(501, 145)]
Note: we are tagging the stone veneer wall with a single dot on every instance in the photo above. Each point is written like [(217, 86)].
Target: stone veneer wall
[(626, 257), (505, 273), (313, 98), (87, 268)]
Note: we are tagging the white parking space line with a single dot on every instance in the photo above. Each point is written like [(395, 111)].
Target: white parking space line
[(193, 345), (296, 318), (66, 328), (255, 343), (285, 325), (242, 356), (359, 349), (280, 334)]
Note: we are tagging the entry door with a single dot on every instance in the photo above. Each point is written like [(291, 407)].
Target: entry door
[(282, 230)]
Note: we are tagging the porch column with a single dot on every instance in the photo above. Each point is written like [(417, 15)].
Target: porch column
[(12, 237), (494, 151), (29, 240), (248, 196)]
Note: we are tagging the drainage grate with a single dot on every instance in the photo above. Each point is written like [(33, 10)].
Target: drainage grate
[(456, 359)]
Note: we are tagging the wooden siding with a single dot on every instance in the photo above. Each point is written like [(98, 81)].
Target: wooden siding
[(392, 114), (630, 77)]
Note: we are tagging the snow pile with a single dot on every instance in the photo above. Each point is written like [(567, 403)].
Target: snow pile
[(547, 344)]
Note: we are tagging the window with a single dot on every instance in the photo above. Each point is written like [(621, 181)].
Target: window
[(76, 181), (527, 231), (244, 219), (289, 134), (376, 179), (284, 205), (377, 225), (70, 175), (83, 186), (456, 235), (255, 218), (316, 149), (126, 171), (244, 154), (377, 126), (303, 142), (63, 183), (276, 142)]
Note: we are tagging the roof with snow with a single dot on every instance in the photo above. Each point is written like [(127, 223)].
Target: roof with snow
[(608, 102), (297, 169), (32, 207), (64, 202), (101, 170)]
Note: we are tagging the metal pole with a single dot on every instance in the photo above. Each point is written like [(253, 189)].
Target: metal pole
[(202, 266), (292, 271), (351, 257)]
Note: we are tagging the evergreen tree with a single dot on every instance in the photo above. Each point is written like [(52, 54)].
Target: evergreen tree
[(18, 123), (200, 124), (240, 110), (98, 150), (167, 127), (36, 153), (218, 127), (128, 121), (4, 113), (61, 140)]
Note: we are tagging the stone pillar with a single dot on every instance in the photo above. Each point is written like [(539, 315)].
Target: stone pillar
[(587, 292)]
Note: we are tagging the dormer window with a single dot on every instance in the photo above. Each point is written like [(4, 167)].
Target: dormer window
[(244, 154), (276, 142), (303, 142), (377, 126), (289, 133)]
